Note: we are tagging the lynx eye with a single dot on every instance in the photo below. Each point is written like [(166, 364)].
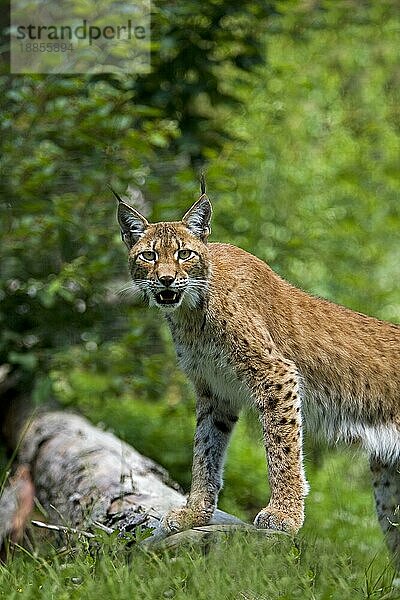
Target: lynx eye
[(148, 255), (185, 254)]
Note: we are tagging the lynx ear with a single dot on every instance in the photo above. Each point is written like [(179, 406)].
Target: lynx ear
[(132, 223), (198, 217)]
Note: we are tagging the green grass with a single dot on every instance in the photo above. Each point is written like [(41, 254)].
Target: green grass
[(339, 554), (240, 567)]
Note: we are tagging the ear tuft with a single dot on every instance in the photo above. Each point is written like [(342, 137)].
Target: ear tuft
[(132, 223), (198, 217), (202, 183)]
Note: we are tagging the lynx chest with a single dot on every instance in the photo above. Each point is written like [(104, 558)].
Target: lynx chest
[(205, 361)]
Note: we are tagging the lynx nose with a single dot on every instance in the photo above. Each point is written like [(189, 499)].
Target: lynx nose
[(166, 280)]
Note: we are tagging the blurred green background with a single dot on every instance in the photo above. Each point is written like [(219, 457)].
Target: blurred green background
[(293, 109)]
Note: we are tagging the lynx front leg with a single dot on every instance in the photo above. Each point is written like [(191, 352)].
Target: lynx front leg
[(277, 396), (213, 429)]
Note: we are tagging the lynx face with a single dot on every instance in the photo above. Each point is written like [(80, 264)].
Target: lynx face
[(168, 262)]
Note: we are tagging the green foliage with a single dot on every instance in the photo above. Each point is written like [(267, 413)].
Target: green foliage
[(191, 49), (63, 141)]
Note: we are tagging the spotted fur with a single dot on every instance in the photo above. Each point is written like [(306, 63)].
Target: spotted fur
[(244, 335)]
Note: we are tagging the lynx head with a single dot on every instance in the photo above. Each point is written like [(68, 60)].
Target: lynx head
[(168, 261)]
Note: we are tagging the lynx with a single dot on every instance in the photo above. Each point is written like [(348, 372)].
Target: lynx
[(244, 335)]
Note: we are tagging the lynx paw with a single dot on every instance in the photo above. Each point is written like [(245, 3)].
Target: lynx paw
[(179, 519), (272, 518)]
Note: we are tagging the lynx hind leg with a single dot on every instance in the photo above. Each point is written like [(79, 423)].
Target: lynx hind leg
[(386, 482)]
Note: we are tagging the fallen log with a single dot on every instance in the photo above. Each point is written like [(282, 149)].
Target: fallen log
[(85, 477)]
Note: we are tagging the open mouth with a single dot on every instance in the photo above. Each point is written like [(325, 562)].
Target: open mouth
[(167, 297)]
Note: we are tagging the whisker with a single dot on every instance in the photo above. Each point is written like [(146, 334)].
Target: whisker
[(134, 290)]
